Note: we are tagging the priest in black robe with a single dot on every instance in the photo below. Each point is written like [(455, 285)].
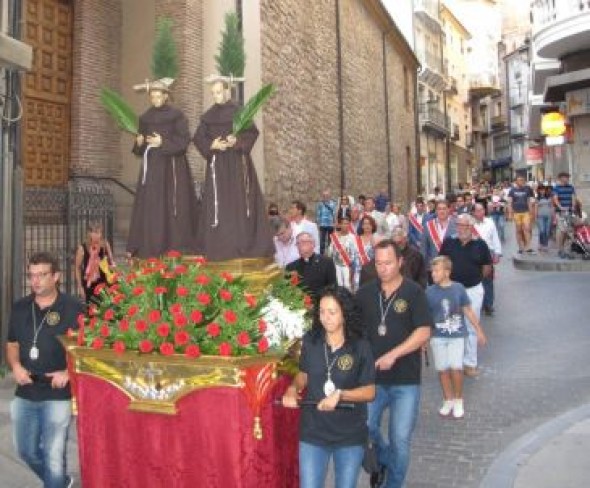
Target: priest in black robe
[(233, 222), (165, 209)]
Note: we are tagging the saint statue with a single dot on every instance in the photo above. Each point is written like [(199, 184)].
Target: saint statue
[(232, 222), (165, 209)]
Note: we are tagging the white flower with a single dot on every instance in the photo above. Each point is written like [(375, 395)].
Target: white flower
[(283, 324)]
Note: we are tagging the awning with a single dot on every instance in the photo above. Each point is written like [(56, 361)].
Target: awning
[(556, 86), (501, 162)]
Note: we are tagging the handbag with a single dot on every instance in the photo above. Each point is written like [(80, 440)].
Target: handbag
[(370, 461)]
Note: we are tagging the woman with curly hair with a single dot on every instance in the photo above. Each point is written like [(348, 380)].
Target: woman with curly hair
[(336, 366)]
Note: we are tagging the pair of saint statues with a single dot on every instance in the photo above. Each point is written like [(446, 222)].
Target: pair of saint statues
[(230, 220)]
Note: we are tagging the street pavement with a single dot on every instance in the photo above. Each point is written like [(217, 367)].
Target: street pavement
[(527, 422)]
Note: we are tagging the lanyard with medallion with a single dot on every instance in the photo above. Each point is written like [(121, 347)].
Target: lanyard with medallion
[(382, 328), (329, 386), (52, 318)]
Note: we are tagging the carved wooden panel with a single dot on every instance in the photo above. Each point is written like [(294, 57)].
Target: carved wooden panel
[(46, 92)]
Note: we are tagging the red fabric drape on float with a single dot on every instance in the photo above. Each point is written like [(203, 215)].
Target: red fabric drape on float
[(209, 443)]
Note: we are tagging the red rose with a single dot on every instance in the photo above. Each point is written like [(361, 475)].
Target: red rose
[(131, 277), (119, 347), (250, 300), (262, 326), (109, 314), (92, 310), (175, 308), (200, 260), (168, 275), (80, 319), (147, 271), (81, 337), (196, 316), (163, 329), (182, 291), (225, 295), (98, 288), (141, 326), (213, 329), (133, 309), (138, 290), (123, 325), (104, 330), (228, 277), (153, 261), (154, 316), (160, 290), (146, 345), (202, 280), (204, 298), (307, 301), (230, 316), (180, 320), (263, 345), (192, 351), (294, 279), (181, 338), (92, 322), (115, 288), (180, 269), (70, 333), (173, 254), (97, 343), (243, 338), (118, 298), (167, 348), (225, 349)]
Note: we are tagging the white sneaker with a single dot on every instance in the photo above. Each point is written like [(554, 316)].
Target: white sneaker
[(458, 410), (446, 409)]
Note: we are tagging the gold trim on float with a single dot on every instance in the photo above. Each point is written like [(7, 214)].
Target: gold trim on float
[(258, 272)]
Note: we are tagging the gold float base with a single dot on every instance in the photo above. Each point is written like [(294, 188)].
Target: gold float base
[(257, 272)]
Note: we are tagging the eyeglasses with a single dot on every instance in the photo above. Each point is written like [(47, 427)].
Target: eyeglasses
[(38, 276), (306, 241)]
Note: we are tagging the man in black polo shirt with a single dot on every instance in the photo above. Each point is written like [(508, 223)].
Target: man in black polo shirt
[(472, 261), (41, 410), (395, 313), (316, 271)]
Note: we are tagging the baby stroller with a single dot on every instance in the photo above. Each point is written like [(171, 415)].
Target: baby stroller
[(577, 230)]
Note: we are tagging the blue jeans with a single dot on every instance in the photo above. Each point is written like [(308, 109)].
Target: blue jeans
[(403, 402), (500, 221), (313, 465), (488, 290), (544, 225), (40, 431)]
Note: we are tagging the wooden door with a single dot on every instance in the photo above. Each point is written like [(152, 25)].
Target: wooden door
[(46, 92)]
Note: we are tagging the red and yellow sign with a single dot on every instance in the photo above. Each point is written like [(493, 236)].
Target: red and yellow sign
[(553, 124)]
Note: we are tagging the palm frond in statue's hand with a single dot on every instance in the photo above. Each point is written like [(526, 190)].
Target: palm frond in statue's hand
[(244, 117), (119, 110)]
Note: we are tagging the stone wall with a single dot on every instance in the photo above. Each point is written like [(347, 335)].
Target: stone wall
[(302, 137)]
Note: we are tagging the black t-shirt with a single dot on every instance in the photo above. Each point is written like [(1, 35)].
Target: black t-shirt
[(408, 311), (353, 367), (467, 259), (520, 198), (59, 317)]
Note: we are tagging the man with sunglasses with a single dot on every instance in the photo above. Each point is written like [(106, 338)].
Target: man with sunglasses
[(41, 410)]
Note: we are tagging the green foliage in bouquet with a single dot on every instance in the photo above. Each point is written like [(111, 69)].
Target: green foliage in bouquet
[(245, 116), (176, 305), (119, 110), (164, 54), (232, 57)]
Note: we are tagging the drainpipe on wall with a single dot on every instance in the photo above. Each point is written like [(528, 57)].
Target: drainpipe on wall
[(387, 131), (340, 100), (417, 133)]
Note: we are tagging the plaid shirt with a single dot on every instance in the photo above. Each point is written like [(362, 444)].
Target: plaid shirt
[(325, 213)]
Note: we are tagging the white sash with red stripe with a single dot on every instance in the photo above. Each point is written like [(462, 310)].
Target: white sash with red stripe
[(361, 250), (434, 235), (415, 223), (340, 249)]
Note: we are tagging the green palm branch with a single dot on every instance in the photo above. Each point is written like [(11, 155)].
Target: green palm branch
[(243, 118), (119, 110)]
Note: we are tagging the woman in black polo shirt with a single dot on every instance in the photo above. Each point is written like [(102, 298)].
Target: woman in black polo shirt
[(336, 366)]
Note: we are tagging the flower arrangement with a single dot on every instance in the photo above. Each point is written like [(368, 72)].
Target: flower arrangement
[(176, 305)]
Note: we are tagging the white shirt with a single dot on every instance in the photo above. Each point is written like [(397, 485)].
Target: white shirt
[(381, 221), (487, 231), (285, 252)]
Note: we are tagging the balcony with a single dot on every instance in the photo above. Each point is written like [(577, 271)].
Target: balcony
[(431, 70), (456, 135), (560, 27), (434, 120), (483, 84), (498, 122), (427, 11), (452, 86)]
